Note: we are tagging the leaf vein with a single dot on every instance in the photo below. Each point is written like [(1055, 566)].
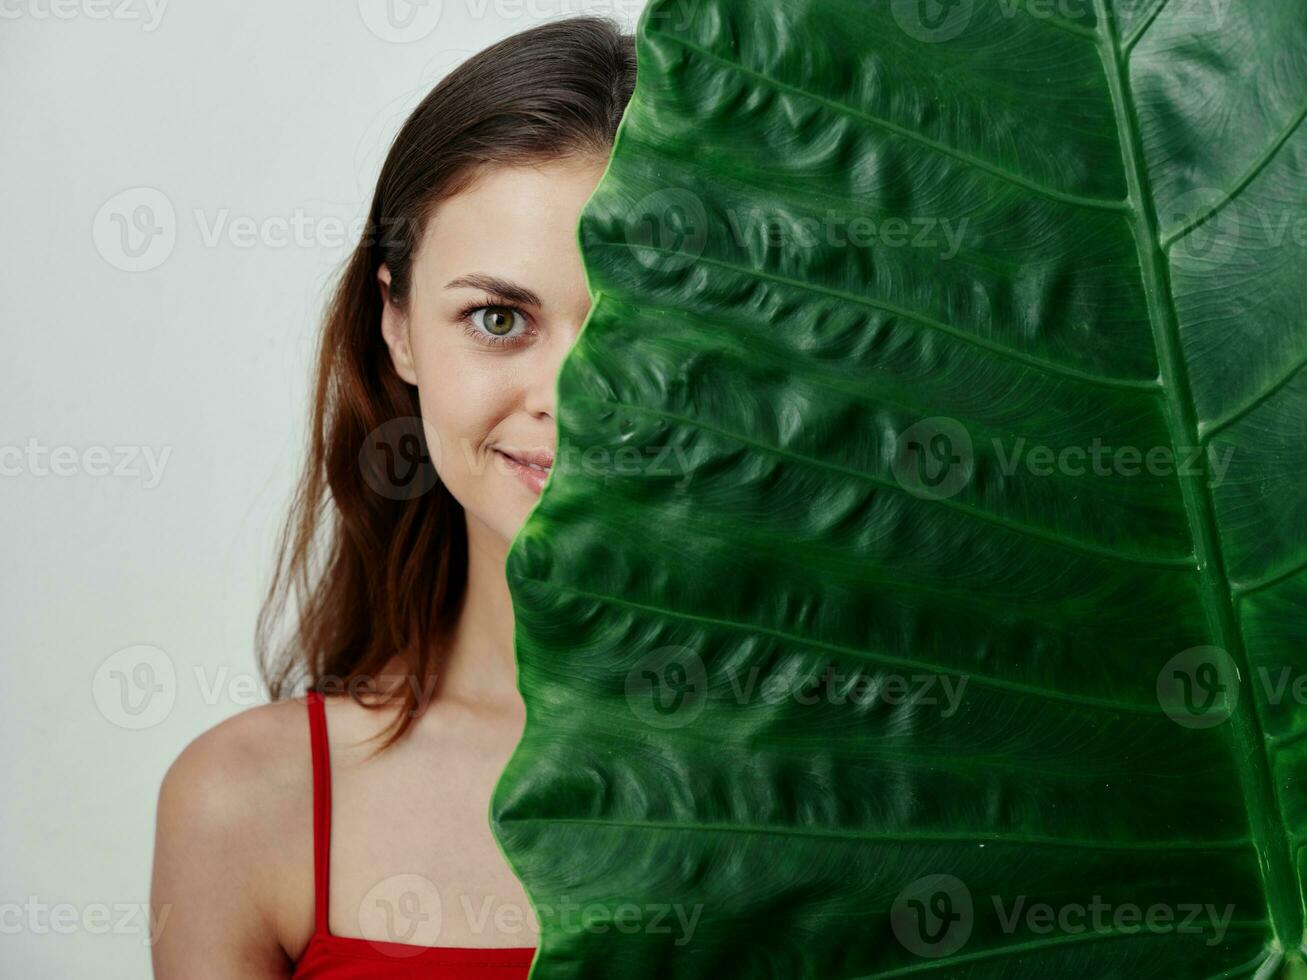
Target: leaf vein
[(905, 837), (1050, 367), (1197, 221), (1208, 429), (1065, 197), (975, 513), (857, 653)]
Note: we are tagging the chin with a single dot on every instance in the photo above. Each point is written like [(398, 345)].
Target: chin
[(515, 524), (506, 521)]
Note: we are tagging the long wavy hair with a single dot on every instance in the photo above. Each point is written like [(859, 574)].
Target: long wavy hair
[(371, 574)]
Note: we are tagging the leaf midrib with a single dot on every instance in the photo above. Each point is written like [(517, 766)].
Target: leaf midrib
[(1266, 825)]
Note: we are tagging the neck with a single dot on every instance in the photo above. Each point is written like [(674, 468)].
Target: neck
[(480, 666)]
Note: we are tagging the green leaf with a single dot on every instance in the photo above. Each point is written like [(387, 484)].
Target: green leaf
[(921, 589)]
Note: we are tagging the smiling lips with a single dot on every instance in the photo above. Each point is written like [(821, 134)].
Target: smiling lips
[(531, 466)]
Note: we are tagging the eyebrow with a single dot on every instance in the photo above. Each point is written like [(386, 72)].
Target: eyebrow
[(499, 287)]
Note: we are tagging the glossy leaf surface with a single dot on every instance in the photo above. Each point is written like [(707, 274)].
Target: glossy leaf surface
[(920, 589)]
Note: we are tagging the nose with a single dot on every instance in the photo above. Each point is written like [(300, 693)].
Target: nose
[(540, 395), (541, 391)]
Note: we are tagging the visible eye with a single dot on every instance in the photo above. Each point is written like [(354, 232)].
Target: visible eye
[(497, 322)]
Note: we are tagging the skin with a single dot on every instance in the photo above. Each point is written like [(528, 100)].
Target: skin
[(233, 867)]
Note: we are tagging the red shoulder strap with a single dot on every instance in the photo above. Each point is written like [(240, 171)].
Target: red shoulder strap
[(321, 808)]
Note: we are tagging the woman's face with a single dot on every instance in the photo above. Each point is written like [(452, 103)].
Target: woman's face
[(497, 298)]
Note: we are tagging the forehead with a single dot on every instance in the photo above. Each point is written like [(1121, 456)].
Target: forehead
[(513, 221)]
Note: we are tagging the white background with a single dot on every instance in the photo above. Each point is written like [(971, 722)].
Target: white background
[(253, 132)]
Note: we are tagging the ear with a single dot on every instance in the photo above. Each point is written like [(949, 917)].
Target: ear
[(394, 329)]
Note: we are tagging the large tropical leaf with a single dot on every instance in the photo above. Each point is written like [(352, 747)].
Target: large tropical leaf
[(920, 589)]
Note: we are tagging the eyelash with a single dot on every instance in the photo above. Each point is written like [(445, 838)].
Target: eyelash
[(479, 335)]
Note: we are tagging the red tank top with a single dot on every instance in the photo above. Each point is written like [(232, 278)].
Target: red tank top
[(329, 957)]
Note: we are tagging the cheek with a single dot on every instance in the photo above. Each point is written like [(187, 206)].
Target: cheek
[(464, 395)]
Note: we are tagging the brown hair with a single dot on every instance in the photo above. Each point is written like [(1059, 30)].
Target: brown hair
[(377, 575)]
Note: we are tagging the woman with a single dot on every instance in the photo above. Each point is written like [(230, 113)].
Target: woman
[(456, 309)]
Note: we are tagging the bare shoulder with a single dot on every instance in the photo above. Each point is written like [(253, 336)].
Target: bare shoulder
[(237, 771), (233, 845)]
